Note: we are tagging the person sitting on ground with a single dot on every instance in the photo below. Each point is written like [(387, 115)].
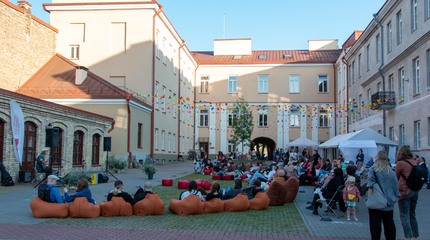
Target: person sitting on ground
[(192, 190), (142, 192), (81, 191), (215, 192), (118, 192), (54, 194), (328, 191), (231, 193), (42, 163)]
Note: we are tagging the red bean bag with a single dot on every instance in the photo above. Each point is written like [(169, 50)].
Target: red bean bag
[(168, 182), (183, 184), (150, 205), (81, 208), (227, 177), (215, 205), (206, 185), (207, 171), (237, 204), (42, 209), (199, 183), (216, 177), (292, 185), (188, 206), (259, 202), (243, 177), (116, 207)]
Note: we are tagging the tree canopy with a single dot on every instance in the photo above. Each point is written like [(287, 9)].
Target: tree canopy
[(242, 123)]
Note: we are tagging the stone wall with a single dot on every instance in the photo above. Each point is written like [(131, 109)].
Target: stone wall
[(26, 43)]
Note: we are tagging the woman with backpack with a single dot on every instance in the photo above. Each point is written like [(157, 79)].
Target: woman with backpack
[(408, 197)]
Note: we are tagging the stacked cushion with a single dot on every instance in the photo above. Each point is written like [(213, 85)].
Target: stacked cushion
[(116, 207), (42, 209), (237, 204), (188, 206), (150, 205)]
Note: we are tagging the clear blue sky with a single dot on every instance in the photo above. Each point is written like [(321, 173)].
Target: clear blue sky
[(272, 25)]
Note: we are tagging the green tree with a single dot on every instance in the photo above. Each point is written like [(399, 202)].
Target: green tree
[(242, 123)]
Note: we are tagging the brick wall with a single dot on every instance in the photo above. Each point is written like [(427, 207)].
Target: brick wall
[(26, 43)]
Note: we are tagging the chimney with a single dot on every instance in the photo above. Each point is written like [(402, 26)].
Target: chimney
[(25, 5), (81, 74)]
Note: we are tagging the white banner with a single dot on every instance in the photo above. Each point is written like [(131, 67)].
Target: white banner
[(17, 119)]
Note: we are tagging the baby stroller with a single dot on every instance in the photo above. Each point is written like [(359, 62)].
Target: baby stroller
[(197, 166)]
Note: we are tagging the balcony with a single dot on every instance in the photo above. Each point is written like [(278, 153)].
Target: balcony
[(383, 100)]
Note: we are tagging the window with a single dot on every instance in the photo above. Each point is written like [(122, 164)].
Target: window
[(263, 83), (74, 52), (323, 118), (294, 117), (352, 73), (426, 9), (230, 146), (169, 141), (401, 84), (204, 118), (139, 135), (378, 48), (78, 148), (360, 106), (262, 120), (164, 51), (428, 68), (55, 153), (95, 153), (417, 134), (118, 38), (156, 139), (232, 84), (163, 136), (359, 65), (173, 143), (369, 100), (30, 151), (294, 83), (230, 119), (322, 83), (414, 15), (391, 82), (353, 112), (389, 37), (368, 57), (399, 23), (391, 133), (204, 84), (156, 95), (174, 105), (163, 99), (157, 44), (416, 68), (402, 135), (379, 87)]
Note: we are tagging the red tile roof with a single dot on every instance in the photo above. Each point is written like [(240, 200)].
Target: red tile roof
[(272, 57), (56, 80)]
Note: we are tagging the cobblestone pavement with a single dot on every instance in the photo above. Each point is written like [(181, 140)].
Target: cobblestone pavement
[(16, 221)]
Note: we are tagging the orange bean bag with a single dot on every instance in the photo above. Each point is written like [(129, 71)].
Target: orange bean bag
[(277, 193), (116, 207), (42, 209), (237, 204), (81, 208), (259, 202), (292, 185), (215, 205), (150, 205), (188, 206)]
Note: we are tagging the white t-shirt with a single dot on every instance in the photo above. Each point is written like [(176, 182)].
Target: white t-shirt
[(194, 192)]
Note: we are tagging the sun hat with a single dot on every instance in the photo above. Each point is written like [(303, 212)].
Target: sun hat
[(147, 187)]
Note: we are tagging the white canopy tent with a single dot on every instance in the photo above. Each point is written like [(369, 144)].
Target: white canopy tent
[(367, 139), (302, 142)]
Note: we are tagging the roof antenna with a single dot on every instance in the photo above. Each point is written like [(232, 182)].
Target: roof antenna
[(223, 34)]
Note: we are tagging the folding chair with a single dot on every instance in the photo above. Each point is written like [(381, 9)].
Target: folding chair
[(37, 176), (332, 205)]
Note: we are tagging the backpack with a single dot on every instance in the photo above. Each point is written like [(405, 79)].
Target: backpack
[(44, 192), (102, 178), (416, 178)]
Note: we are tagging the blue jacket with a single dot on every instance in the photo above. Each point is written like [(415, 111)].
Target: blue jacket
[(55, 195), (85, 192)]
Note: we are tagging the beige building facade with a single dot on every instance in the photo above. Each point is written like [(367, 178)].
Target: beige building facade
[(291, 93), (134, 46), (385, 76), (26, 43)]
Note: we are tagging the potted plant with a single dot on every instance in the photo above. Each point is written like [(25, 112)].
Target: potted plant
[(117, 164), (149, 167)]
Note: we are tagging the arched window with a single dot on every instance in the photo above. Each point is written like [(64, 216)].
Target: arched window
[(56, 153), (30, 136), (95, 155), (2, 136), (78, 147)]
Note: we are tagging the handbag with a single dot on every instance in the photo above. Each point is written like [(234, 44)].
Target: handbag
[(377, 199)]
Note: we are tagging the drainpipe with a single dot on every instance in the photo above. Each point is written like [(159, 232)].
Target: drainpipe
[(194, 101), (153, 78), (346, 88), (380, 70), (178, 97), (130, 154), (335, 95)]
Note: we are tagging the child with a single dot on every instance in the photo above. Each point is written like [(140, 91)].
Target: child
[(350, 195)]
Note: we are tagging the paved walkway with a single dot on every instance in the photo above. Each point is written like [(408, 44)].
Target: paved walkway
[(16, 221)]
